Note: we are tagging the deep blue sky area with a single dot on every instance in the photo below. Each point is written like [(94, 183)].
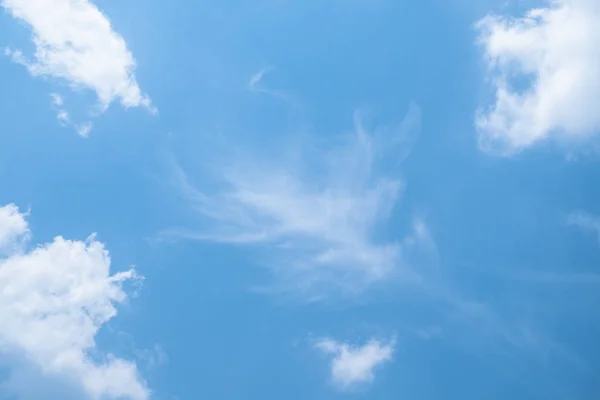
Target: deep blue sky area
[(346, 199)]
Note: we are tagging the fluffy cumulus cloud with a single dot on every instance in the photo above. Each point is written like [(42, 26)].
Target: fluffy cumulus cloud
[(75, 42), (545, 69), (53, 301), (13, 226), (318, 209), (353, 365)]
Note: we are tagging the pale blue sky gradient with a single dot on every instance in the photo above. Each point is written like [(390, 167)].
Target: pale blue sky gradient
[(313, 181)]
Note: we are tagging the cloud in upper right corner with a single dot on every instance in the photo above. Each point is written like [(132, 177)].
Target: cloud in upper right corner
[(544, 68)]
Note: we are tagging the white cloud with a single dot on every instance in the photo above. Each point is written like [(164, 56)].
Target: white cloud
[(53, 300), (62, 115), (74, 41), (84, 129), (317, 210), (352, 365), (13, 227), (545, 69)]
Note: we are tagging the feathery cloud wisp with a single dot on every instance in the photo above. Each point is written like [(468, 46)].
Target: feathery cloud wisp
[(256, 85), (319, 211)]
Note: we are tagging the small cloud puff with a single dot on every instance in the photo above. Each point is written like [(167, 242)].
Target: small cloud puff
[(74, 42), (62, 115), (351, 365)]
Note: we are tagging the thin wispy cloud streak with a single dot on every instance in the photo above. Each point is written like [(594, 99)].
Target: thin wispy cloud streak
[(76, 44), (257, 85), (256, 79), (317, 211)]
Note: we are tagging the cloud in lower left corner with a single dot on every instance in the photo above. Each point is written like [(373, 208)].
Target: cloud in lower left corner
[(57, 297)]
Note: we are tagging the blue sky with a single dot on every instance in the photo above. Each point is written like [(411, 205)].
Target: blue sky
[(299, 200)]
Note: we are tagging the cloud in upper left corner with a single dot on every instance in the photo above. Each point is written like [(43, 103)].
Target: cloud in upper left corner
[(74, 42)]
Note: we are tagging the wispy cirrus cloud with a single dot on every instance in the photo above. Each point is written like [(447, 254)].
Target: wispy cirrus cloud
[(56, 298), (545, 70), (256, 79), (256, 84), (318, 210), (74, 42), (352, 365)]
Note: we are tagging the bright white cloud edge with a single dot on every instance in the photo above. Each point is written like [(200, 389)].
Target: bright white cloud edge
[(352, 365), (13, 227), (545, 71), (56, 298), (75, 42)]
